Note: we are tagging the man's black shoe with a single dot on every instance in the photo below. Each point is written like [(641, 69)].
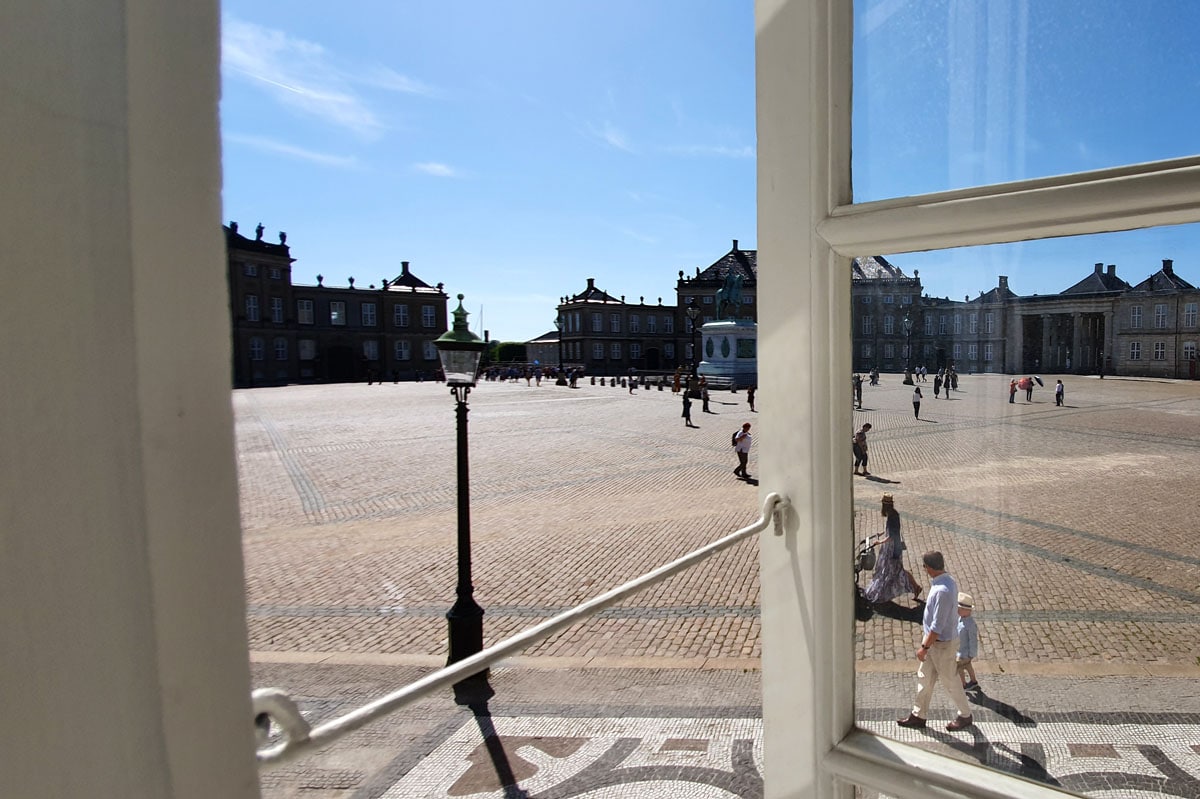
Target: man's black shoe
[(912, 722)]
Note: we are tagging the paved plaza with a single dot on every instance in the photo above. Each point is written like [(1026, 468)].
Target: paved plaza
[(1072, 526)]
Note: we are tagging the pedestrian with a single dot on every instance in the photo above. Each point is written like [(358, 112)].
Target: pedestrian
[(750, 397), (856, 385), (939, 648), (741, 444), (968, 643), (1026, 385), (924, 374), (890, 579), (687, 411), (951, 381), (1012, 390), (675, 383), (917, 402), (859, 446), (937, 384), (704, 395), (1059, 393)]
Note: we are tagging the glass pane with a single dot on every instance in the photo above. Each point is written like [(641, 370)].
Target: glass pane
[(1068, 517), (950, 95)]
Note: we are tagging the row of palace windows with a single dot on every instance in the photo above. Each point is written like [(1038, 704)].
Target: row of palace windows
[(889, 351), (574, 323), (251, 270), (707, 299), (1158, 351), (402, 350), (888, 299), (574, 350), (1160, 315), (306, 314), (944, 323)]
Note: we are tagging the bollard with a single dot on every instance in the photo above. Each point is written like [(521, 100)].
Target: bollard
[(594, 380), (660, 386)]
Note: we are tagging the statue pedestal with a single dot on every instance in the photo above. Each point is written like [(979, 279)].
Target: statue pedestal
[(730, 351)]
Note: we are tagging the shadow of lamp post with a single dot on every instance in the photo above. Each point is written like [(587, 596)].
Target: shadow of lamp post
[(460, 351)]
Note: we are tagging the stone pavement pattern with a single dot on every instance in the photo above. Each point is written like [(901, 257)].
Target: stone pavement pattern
[(349, 516)]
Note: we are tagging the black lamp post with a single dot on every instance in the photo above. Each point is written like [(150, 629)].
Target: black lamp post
[(562, 377), (460, 351), (907, 324), (692, 314)]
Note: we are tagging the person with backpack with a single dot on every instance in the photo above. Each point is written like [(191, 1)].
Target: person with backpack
[(742, 441)]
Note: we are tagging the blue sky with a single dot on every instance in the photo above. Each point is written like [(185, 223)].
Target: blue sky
[(512, 150)]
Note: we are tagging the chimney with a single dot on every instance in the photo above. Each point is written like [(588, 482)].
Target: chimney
[(735, 245), (591, 284), (1003, 284), (1099, 268), (1112, 270), (403, 268), (1168, 266)]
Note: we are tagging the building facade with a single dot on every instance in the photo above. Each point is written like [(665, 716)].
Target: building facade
[(605, 335), (285, 333)]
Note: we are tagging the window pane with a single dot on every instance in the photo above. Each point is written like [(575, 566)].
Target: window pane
[(950, 95)]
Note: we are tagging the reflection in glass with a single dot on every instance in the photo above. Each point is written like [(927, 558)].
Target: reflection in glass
[(950, 95), (1066, 514)]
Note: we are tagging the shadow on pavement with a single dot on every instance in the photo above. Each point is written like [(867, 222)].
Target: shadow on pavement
[(894, 611), (978, 697)]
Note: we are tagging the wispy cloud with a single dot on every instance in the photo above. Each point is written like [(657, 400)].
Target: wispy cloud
[(305, 77), (710, 151), (610, 134), (438, 170), (282, 148)]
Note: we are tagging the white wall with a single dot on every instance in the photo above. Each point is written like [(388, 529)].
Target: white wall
[(124, 669)]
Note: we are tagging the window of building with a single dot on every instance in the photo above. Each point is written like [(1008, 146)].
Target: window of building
[(887, 299), (868, 325), (1135, 317), (866, 350), (958, 324), (615, 351), (249, 269), (651, 323), (987, 352), (929, 324), (371, 349), (957, 351), (973, 323), (281, 348), (277, 310), (635, 350), (402, 350), (578, 321), (867, 300), (972, 352), (889, 351), (307, 349), (1160, 350), (275, 273), (304, 312), (1135, 351), (256, 348), (368, 314), (597, 323), (747, 299), (429, 351), (251, 308), (943, 325), (1189, 314), (1160, 315), (400, 316), (598, 351), (708, 300), (889, 325), (1189, 350), (668, 324), (614, 323), (989, 323), (428, 316), (668, 350), (337, 313), (706, 320), (635, 323)]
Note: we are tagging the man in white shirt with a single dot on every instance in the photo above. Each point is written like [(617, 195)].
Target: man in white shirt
[(939, 647), (741, 445)]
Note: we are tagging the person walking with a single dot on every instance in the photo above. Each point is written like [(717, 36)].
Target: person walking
[(687, 411), (1026, 385), (938, 649), (1012, 390), (937, 384), (741, 445), (917, 402), (890, 579), (704, 395), (968, 643), (859, 445), (1059, 393), (750, 397), (856, 386)]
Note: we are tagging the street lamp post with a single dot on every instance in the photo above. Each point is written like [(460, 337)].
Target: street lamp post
[(907, 325), (692, 314), (460, 351), (562, 376)]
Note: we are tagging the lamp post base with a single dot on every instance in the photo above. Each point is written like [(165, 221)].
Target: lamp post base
[(465, 622)]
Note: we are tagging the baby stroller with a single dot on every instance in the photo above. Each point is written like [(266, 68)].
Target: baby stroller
[(864, 561)]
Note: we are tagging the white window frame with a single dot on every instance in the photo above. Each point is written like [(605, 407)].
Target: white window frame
[(277, 310), (337, 313), (668, 350), (429, 351), (614, 323), (370, 349), (428, 316), (635, 350), (972, 352), (368, 314), (1160, 351), (1135, 350), (402, 350), (987, 353), (889, 325), (1189, 314), (651, 323), (400, 316), (615, 350), (597, 351), (1135, 317), (973, 323), (1160, 315), (989, 323), (635, 323), (669, 324), (257, 350), (808, 230), (929, 324), (281, 348), (304, 312), (252, 308), (1189, 350)]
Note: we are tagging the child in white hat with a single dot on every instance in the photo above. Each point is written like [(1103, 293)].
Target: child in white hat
[(968, 643)]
